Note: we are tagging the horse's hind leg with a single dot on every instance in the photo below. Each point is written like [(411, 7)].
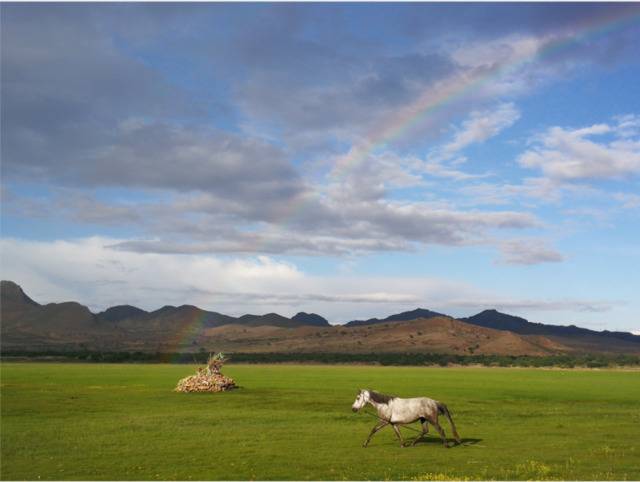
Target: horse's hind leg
[(440, 431), (425, 430), (382, 424), (398, 434)]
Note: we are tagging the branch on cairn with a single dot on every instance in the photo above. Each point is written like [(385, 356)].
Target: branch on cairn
[(208, 379)]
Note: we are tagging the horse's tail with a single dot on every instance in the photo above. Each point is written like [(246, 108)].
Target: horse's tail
[(443, 410)]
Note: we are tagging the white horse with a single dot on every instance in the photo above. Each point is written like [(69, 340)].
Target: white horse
[(396, 411)]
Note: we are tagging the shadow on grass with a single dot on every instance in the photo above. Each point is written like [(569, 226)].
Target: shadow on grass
[(452, 443), (408, 443)]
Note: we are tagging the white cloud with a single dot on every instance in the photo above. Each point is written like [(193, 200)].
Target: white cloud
[(88, 271), (477, 128), (370, 176), (438, 169), (538, 188), (480, 126), (572, 154), (628, 200), (628, 125), (502, 50), (511, 63)]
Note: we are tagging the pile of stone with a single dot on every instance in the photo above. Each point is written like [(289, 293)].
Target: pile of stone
[(208, 379)]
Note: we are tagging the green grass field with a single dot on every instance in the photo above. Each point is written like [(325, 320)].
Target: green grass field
[(72, 421)]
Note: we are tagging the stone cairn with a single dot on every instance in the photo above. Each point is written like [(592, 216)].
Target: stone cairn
[(209, 378)]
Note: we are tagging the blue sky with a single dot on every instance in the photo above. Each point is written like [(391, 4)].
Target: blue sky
[(353, 160)]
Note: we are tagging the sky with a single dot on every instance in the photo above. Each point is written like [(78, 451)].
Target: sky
[(353, 160)]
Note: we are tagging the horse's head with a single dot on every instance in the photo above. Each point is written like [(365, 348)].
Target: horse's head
[(361, 400)]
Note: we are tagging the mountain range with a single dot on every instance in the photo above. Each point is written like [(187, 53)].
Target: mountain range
[(29, 326)]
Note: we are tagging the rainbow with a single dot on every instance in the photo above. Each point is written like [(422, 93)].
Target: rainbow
[(189, 331), (437, 98), (429, 103)]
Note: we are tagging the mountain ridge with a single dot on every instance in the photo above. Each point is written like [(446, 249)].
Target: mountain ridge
[(311, 319), (26, 323), (502, 321), (404, 316), (13, 293)]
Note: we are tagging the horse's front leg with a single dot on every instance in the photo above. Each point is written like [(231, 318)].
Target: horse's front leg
[(382, 424), (398, 434)]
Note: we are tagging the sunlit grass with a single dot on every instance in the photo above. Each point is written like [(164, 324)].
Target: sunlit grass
[(72, 421)]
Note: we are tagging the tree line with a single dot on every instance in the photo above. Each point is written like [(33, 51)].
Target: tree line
[(589, 360)]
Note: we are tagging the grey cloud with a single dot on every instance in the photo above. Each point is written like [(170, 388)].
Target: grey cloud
[(592, 306), (528, 251), (170, 157), (191, 224), (79, 109), (86, 209), (372, 228), (22, 206), (284, 243), (72, 75), (291, 298), (61, 71), (352, 98), (356, 93), (498, 19), (87, 111)]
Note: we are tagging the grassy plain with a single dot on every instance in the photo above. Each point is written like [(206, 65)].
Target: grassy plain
[(89, 421)]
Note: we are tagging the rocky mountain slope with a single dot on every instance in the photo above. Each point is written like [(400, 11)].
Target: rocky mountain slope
[(28, 325), (404, 316), (575, 336)]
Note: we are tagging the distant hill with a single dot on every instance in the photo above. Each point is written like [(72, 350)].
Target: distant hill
[(28, 325), (432, 335), (404, 316), (310, 319), (502, 321), (120, 312), (12, 293), (168, 315), (270, 319)]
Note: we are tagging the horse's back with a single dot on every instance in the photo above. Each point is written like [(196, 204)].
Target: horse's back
[(407, 410), (423, 401)]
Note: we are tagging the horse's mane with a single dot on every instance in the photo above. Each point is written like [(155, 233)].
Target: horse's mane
[(380, 397)]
